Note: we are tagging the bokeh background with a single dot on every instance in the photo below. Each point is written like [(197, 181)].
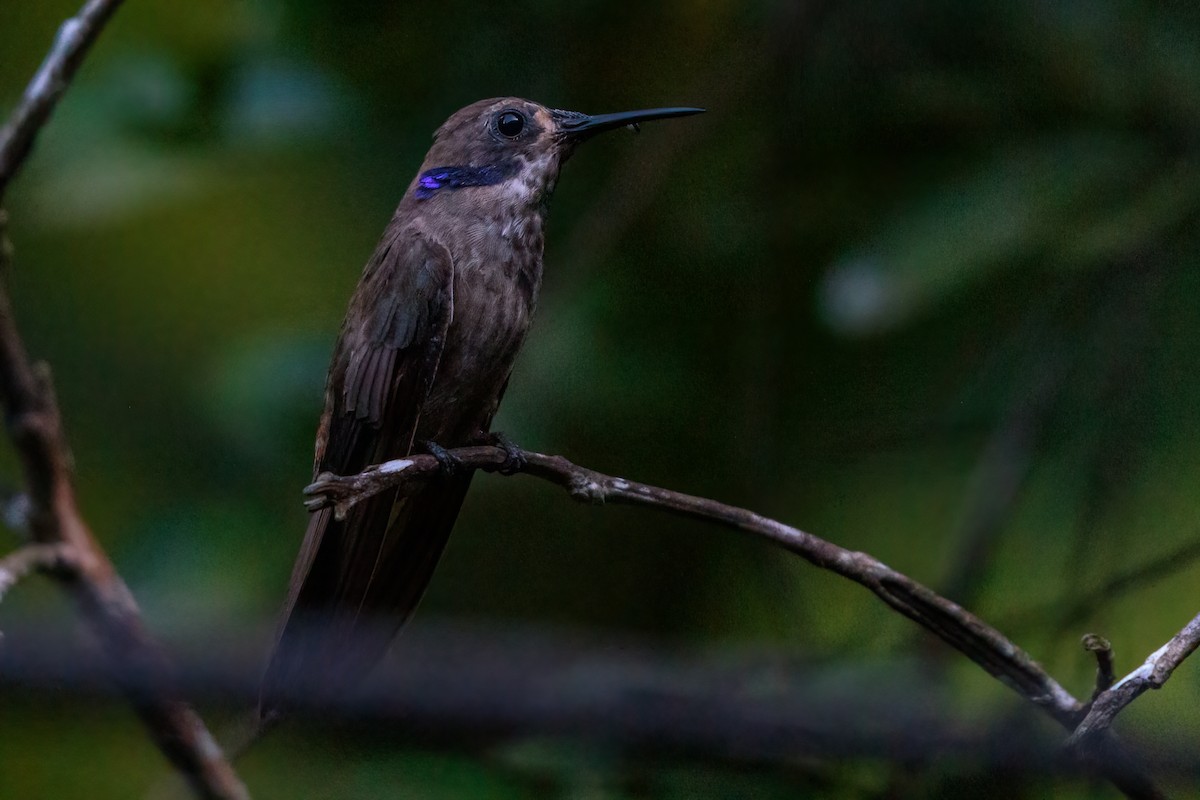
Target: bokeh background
[(923, 281)]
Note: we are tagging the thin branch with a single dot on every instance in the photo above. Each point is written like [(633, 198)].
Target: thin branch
[(1150, 675), (53, 519), (54, 559), (946, 619), (980, 642), (75, 38)]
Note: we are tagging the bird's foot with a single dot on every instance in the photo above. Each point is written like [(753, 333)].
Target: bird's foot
[(514, 456), (449, 462), (333, 491)]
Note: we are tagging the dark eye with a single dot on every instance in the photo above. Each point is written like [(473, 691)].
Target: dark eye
[(510, 124)]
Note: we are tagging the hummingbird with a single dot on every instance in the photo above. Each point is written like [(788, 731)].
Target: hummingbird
[(422, 360)]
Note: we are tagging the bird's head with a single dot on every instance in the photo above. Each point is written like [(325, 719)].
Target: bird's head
[(514, 148)]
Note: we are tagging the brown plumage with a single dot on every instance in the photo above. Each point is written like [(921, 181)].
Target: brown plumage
[(424, 354)]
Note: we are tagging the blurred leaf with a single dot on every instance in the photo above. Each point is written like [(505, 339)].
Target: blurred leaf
[(1152, 212), (193, 568), (128, 180), (1018, 203), (274, 102)]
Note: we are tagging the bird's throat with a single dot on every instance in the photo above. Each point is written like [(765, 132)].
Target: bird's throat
[(438, 179)]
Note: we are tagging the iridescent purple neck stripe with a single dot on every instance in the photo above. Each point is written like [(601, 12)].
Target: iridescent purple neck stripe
[(432, 180)]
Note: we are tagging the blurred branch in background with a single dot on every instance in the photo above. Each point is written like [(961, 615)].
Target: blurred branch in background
[(951, 623), (473, 686), (1128, 298), (1001, 473), (1070, 614), (63, 544)]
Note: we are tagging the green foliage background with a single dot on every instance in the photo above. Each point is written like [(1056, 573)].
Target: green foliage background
[(904, 233)]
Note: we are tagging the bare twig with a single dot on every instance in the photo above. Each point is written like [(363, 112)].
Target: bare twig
[(52, 518), (75, 38), (1150, 675), (980, 642), (57, 559), (1100, 647)]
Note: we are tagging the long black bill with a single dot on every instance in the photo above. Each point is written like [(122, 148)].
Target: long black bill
[(580, 126)]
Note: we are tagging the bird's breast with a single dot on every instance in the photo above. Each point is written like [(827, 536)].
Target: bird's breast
[(497, 275)]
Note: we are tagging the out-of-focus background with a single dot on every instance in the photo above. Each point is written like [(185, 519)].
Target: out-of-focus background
[(922, 281)]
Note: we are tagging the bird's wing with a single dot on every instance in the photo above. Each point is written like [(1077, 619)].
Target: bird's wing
[(383, 367), (387, 355)]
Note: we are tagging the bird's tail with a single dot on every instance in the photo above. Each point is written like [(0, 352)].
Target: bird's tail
[(355, 583)]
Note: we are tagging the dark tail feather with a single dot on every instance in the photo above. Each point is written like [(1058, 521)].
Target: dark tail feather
[(355, 584)]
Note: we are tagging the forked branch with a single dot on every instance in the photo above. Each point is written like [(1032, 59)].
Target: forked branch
[(1152, 674), (58, 532)]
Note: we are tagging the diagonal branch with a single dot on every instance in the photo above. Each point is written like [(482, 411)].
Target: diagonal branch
[(1150, 675), (75, 38), (52, 518), (950, 622), (135, 662)]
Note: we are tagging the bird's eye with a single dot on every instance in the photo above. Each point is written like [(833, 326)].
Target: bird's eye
[(510, 124)]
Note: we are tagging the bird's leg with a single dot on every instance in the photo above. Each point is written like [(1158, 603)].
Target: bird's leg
[(449, 462), (514, 456)]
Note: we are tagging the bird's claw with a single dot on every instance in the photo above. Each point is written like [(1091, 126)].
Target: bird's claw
[(514, 456), (324, 489), (329, 490), (449, 462)]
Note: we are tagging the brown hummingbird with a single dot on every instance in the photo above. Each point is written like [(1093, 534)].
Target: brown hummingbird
[(422, 360)]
